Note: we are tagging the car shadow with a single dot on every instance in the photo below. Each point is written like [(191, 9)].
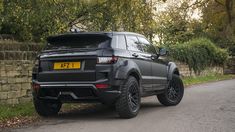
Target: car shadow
[(95, 113), (101, 112)]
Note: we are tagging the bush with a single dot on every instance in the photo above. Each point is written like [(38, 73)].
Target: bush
[(198, 54)]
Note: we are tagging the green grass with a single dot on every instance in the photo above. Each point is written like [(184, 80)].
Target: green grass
[(203, 79), (27, 109), (10, 111)]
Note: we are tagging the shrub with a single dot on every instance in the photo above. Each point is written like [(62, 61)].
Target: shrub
[(198, 54)]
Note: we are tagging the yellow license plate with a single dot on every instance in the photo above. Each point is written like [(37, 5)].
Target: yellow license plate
[(66, 65)]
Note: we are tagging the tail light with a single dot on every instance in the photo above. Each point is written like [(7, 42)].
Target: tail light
[(35, 87), (107, 60)]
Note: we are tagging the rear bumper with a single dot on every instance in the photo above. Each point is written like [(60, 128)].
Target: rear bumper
[(77, 92)]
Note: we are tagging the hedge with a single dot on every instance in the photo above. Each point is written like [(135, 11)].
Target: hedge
[(199, 54)]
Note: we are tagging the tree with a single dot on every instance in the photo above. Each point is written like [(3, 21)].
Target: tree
[(1, 8), (219, 20), (34, 20), (174, 24), (121, 15)]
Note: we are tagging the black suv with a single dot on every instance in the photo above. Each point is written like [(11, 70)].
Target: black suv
[(114, 68)]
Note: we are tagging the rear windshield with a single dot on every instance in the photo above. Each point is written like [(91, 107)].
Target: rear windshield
[(78, 41)]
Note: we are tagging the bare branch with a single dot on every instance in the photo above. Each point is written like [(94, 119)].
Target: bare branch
[(219, 2)]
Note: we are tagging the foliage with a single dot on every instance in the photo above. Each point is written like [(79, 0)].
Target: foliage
[(34, 20), (120, 15), (218, 20), (180, 23), (198, 54)]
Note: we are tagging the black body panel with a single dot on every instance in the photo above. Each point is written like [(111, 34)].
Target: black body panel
[(72, 85)]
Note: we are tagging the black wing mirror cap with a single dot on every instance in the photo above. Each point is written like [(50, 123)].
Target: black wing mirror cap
[(163, 51)]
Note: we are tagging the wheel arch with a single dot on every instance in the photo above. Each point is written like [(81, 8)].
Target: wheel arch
[(172, 69), (129, 69), (135, 74)]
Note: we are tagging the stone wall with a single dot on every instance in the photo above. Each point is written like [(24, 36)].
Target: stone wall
[(16, 62), (230, 66), (185, 72), (15, 81)]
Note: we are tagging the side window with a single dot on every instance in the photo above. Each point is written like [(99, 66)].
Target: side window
[(146, 46), (119, 42), (133, 43)]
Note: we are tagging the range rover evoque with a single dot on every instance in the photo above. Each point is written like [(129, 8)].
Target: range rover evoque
[(114, 68)]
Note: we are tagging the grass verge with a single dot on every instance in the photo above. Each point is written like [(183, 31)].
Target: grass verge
[(24, 113), (203, 79), (9, 111), (17, 115)]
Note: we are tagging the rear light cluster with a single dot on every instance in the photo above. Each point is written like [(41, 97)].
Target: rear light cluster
[(36, 87), (107, 60)]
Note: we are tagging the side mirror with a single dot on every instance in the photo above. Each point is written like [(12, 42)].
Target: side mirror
[(162, 52)]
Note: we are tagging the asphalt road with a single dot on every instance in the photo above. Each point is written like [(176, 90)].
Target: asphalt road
[(207, 107)]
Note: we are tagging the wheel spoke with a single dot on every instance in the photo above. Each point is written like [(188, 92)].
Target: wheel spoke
[(133, 97), (133, 101), (173, 92)]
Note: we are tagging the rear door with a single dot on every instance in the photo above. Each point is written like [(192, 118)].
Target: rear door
[(141, 59), (158, 66)]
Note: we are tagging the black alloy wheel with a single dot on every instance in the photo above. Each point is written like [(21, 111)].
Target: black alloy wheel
[(128, 104), (173, 93)]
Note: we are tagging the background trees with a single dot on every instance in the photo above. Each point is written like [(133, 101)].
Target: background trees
[(192, 30), (219, 22), (33, 20), (181, 25), (212, 19)]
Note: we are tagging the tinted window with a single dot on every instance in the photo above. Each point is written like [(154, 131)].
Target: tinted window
[(119, 42), (79, 41), (146, 46), (133, 43)]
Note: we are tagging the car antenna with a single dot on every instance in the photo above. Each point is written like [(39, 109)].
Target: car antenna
[(75, 29)]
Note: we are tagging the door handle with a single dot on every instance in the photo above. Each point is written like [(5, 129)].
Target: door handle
[(153, 57), (135, 55)]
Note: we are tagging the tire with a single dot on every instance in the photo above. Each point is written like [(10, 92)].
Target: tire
[(128, 104), (173, 93), (47, 108)]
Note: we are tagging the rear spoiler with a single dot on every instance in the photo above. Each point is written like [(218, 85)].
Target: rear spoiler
[(71, 35)]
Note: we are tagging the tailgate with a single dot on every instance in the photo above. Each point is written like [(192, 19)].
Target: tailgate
[(83, 69)]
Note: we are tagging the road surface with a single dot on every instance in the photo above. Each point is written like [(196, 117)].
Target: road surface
[(206, 107)]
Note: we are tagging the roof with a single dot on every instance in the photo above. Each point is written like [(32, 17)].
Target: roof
[(108, 34)]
